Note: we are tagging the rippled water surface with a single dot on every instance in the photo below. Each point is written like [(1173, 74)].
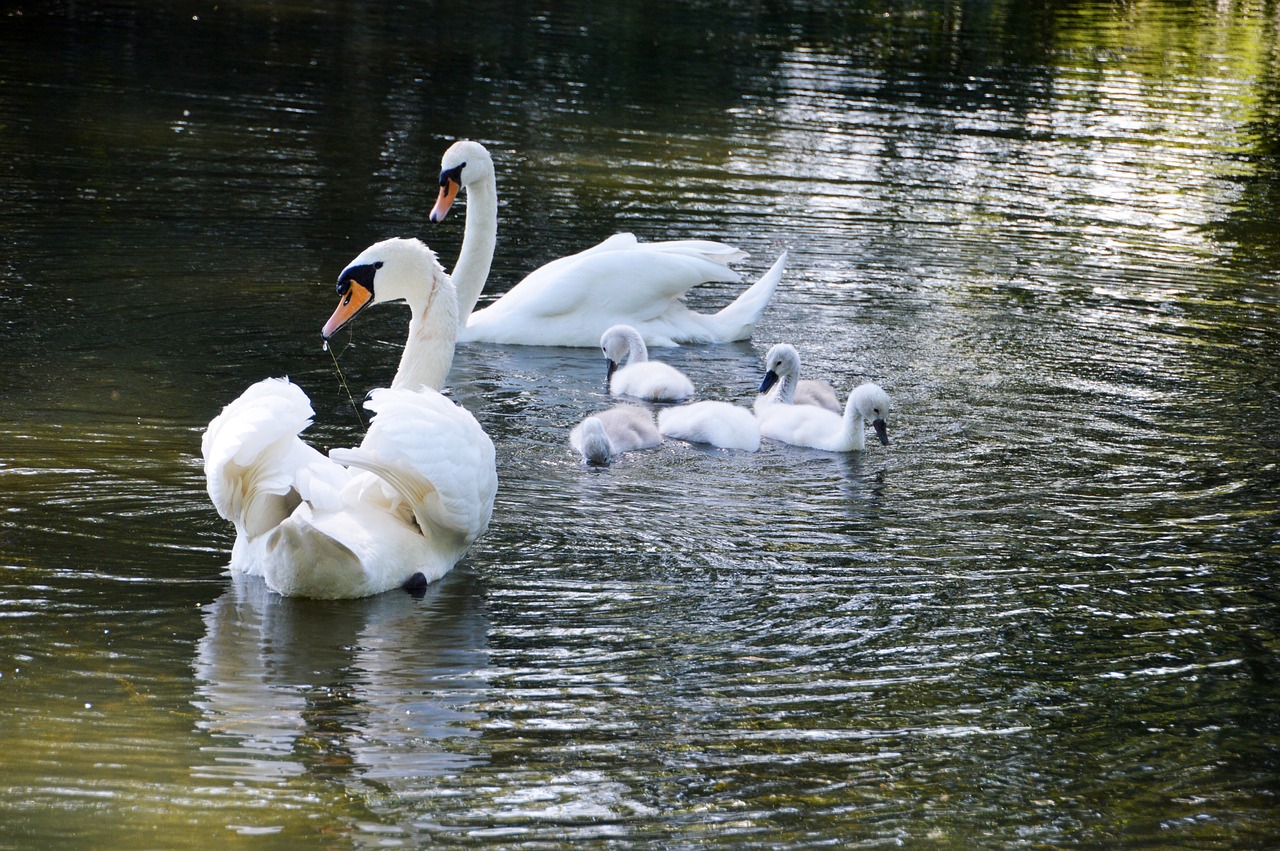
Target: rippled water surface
[(1044, 616)]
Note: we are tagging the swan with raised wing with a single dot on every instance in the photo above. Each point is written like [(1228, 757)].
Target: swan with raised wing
[(572, 300), (397, 511)]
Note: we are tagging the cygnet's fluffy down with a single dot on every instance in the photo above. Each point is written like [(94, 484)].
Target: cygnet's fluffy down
[(807, 425), (622, 428), (640, 377), (782, 384), (717, 423)]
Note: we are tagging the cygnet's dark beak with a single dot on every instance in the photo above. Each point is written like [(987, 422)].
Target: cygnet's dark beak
[(770, 379), (882, 431), (613, 366)]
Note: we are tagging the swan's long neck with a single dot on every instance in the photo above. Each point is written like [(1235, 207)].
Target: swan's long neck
[(479, 239), (638, 352), (853, 428), (428, 352)]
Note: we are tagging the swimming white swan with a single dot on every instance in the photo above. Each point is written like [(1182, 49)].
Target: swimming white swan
[(572, 300), (640, 377), (809, 425), (622, 428), (717, 423), (398, 510), (782, 377)]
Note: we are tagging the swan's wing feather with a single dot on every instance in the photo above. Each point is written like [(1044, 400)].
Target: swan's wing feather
[(434, 454), (715, 251), (640, 283), (253, 456)]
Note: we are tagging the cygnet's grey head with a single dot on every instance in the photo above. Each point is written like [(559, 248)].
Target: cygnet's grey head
[(872, 404), (782, 363), (595, 446)]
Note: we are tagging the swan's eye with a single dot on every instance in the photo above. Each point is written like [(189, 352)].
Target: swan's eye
[(454, 174), (377, 265)]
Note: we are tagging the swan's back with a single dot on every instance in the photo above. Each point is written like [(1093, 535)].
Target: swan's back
[(652, 380), (802, 425), (717, 423)]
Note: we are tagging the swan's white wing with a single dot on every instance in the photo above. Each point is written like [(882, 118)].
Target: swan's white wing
[(638, 284), (253, 456), (434, 454)]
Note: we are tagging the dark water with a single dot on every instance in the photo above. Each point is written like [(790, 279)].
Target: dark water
[(1045, 616)]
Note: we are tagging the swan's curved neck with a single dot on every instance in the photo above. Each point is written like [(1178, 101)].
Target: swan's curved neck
[(637, 352), (787, 389), (479, 239), (853, 427), (428, 351)]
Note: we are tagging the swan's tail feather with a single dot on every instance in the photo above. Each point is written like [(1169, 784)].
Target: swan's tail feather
[(252, 455), (737, 320), (434, 455)]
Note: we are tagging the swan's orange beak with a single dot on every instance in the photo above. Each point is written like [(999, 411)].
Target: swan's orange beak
[(448, 191), (356, 298)]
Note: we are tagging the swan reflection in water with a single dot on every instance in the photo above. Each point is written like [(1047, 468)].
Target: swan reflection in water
[(376, 687)]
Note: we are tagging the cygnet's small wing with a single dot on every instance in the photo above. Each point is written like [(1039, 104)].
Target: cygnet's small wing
[(630, 427), (819, 393)]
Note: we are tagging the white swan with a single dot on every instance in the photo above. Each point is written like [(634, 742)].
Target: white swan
[(400, 509), (572, 300), (717, 423), (818, 428), (782, 377), (622, 428), (640, 377)]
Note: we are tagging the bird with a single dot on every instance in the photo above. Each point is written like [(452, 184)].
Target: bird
[(782, 377), (398, 510), (622, 428), (572, 300), (818, 428), (640, 377), (721, 424)]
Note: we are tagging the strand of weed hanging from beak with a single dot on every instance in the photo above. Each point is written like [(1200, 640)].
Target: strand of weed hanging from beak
[(342, 379)]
